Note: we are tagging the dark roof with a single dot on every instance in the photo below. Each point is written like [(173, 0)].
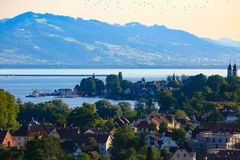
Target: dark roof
[(186, 147), (88, 148), (219, 127), (83, 138), (67, 133), (155, 135), (96, 131), (225, 154), (30, 130), (49, 127), (142, 124), (3, 134)]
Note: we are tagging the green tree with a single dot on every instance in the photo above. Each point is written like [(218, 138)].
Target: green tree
[(152, 153), (125, 144), (82, 117), (127, 111), (179, 135), (55, 111), (180, 113), (106, 110), (150, 106), (166, 100), (8, 111), (47, 148), (163, 127), (113, 87), (215, 117), (12, 153)]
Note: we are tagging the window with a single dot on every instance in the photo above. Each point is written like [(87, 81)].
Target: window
[(216, 145), (213, 139), (220, 140), (207, 139), (184, 155)]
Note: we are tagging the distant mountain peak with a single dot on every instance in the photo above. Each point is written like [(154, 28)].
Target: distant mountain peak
[(34, 39)]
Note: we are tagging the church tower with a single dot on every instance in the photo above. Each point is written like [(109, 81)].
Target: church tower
[(235, 70), (229, 70)]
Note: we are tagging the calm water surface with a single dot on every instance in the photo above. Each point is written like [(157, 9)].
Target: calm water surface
[(20, 86)]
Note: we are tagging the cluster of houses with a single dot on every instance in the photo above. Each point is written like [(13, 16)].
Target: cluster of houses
[(215, 141)]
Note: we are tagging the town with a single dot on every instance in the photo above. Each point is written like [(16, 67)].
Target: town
[(182, 118)]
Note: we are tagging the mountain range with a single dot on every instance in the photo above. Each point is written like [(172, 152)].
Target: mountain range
[(33, 40)]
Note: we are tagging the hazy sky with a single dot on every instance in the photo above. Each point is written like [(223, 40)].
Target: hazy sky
[(205, 18)]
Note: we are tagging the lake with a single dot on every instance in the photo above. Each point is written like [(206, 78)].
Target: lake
[(20, 86)]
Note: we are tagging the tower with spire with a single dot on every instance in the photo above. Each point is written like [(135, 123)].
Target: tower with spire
[(235, 70), (229, 70)]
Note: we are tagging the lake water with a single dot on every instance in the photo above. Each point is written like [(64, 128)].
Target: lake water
[(20, 86)]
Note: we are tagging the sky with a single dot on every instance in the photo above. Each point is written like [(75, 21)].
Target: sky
[(205, 18)]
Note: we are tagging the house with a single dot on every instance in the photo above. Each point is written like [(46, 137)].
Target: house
[(6, 138), (231, 118), (159, 141), (91, 150), (153, 139), (103, 139), (182, 153), (157, 119), (30, 130), (223, 154), (215, 136), (167, 142), (207, 140), (65, 92), (27, 132), (121, 121), (64, 133)]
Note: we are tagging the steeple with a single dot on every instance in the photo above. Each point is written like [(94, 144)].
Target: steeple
[(229, 70), (235, 70)]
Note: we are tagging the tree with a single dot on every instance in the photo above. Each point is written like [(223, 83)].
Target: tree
[(55, 111), (150, 106), (85, 156), (215, 117), (179, 135), (7, 153), (140, 109), (195, 84), (91, 141), (68, 146), (82, 117), (166, 100), (163, 127), (113, 86), (152, 127), (127, 111), (215, 82), (152, 153), (125, 144), (8, 111), (100, 87), (106, 110), (47, 148), (180, 113)]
